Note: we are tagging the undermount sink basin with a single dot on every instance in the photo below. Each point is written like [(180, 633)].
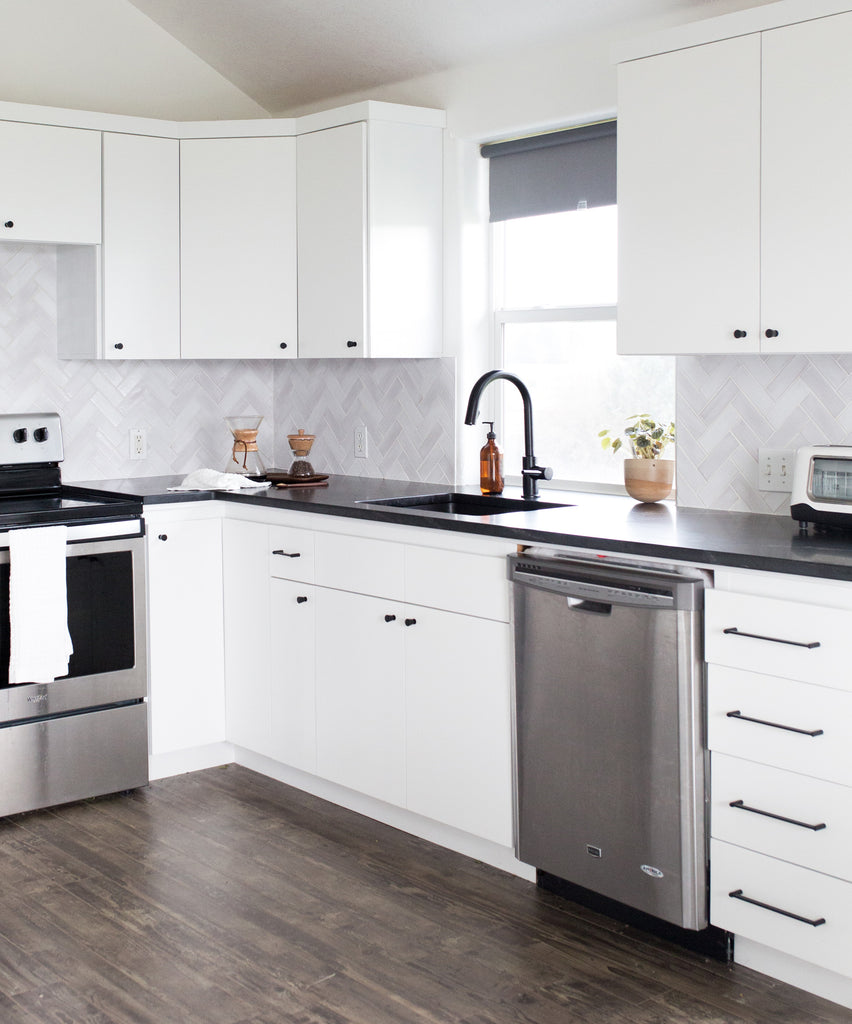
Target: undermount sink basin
[(457, 504)]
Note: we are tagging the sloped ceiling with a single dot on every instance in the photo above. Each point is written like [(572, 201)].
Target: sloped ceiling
[(209, 59), (286, 54)]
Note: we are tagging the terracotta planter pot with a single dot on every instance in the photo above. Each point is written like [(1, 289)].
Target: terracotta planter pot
[(649, 479)]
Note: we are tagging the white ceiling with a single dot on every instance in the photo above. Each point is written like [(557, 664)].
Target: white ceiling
[(287, 54)]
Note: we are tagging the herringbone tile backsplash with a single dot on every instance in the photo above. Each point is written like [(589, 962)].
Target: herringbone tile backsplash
[(407, 407), (729, 406)]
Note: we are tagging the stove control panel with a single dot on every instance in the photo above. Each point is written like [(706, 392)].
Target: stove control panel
[(31, 437)]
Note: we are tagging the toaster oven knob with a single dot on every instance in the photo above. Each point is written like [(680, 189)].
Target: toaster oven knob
[(40, 434), (771, 334), (19, 435)]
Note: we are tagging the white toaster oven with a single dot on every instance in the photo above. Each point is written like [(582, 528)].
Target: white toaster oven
[(822, 486)]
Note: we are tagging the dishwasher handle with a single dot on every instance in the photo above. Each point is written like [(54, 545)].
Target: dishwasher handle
[(603, 594)]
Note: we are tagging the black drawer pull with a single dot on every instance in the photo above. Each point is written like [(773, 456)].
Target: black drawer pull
[(390, 618), (288, 554), (741, 806), (737, 894), (411, 622), (774, 725), (733, 631), (301, 600)]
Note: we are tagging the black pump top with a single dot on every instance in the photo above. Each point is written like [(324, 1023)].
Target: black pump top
[(490, 435)]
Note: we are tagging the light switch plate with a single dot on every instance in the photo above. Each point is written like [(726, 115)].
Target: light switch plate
[(775, 469)]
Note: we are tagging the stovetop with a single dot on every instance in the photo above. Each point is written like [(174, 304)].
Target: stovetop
[(68, 505)]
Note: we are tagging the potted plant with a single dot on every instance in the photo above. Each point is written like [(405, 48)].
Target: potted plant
[(647, 476)]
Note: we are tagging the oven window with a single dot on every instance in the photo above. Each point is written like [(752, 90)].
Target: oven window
[(100, 614)]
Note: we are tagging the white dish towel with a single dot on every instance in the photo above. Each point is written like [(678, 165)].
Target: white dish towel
[(38, 605)]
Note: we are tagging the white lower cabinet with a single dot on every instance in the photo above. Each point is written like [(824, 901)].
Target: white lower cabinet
[(779, 712), (330, 671), (187, 699), (458, 754), (361, 694)]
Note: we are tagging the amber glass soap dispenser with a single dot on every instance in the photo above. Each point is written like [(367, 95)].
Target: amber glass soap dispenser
[(490, 464)]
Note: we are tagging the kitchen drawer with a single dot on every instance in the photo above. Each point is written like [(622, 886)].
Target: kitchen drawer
[(360, 565), (781, 702), (786, 887), (291, 553), (457, 582), (787, 638), (807, 803)]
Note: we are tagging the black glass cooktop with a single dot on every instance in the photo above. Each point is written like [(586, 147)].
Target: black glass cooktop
[(65, 506)]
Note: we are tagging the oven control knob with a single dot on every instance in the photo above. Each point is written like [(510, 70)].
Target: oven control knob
[(20, 435), (40, 434)]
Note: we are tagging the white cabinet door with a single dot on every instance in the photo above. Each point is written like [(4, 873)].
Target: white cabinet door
[(187, 692), (292, 672), (457, 721), (238, 248), (247, 635), (807, 203), (689, 200), (332, 173), (370, 241), (141, 254), (360, 693), (50, 184)]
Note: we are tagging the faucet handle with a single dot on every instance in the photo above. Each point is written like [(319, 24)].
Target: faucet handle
[(538, 472)]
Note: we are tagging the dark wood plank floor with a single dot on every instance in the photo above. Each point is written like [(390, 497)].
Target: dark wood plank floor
[(223, 897)]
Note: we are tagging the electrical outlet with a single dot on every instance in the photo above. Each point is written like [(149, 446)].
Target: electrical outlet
[(138, 443), (775, 469), (360, 441)]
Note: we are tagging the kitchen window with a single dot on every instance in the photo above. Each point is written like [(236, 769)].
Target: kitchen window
[(554, 241)]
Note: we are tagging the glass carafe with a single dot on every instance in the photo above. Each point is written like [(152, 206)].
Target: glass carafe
[(245, 457)]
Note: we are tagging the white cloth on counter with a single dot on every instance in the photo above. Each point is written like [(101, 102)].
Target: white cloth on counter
[(40, 644), (212, 480)]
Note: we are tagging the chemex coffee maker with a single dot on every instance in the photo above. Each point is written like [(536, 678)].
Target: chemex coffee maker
[(245, 458)]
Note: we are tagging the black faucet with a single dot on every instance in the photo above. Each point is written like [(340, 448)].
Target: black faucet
[(530, 472)]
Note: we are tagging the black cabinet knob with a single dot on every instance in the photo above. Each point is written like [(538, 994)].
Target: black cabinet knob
[(283, 344), (20, 435), (301, 599), (740, 334), (351, 344), (390, 618), (771, 334), (9, 224), (162, 536), (119, 345), (411, 622), (40, 434)]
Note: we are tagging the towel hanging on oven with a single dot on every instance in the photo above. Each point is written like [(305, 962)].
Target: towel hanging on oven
[(38, 605)]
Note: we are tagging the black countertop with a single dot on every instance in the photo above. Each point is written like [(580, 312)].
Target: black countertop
[(595, 521)]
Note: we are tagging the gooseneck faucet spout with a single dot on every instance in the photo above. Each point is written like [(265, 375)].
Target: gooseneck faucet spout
[(530, 472)]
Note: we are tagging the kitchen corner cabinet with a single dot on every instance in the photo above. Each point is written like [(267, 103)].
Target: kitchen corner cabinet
[(734, 206), (186, 655), (369, 230), (238, 248), (50, 184)]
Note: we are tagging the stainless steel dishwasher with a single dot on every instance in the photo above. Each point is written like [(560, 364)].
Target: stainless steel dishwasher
[(609, 730)]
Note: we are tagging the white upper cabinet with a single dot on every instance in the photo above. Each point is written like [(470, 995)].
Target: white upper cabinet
[(238, 248), (50, 184), (370, 229), (734, 211), (806, 231), (689, 200), (141, 248)]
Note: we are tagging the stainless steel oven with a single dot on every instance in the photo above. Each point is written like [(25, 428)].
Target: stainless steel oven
[(85, 733)]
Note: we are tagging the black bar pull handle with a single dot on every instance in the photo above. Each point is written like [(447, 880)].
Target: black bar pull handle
[(733, 631), (742, 806), (288, 554), (774, 725), (737, 894)]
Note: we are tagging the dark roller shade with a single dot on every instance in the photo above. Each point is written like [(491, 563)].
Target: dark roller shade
[(552, 173)]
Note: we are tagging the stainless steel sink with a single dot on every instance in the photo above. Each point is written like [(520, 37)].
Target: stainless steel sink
[(457, 504)]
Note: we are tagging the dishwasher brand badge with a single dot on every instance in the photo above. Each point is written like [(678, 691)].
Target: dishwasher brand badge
[(652, 871)]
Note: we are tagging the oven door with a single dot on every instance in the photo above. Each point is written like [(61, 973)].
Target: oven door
[(107, 622)]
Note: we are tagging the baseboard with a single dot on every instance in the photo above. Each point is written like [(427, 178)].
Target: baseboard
[(192, 759), (497, 856), (814, 979)]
